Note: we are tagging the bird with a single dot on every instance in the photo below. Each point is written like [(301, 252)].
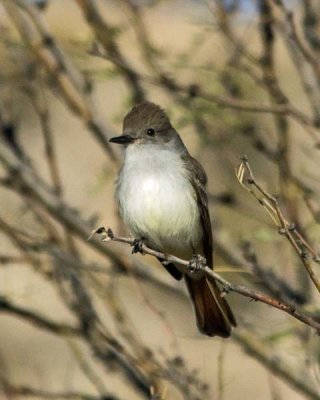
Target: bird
[(162, 199)]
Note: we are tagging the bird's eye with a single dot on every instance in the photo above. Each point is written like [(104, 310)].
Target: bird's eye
[(150, 132)]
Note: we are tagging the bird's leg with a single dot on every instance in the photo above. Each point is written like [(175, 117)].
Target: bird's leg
[(172, 269), (137, 246), (196, 264)]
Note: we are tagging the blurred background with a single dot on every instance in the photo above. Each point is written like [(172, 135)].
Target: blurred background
[(86, 319)]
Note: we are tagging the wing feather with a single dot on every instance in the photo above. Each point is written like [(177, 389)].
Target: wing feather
[(213, 314), (198, 179)]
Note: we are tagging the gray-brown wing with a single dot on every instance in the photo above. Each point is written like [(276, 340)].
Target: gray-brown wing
[(213, 314), (198, 179)]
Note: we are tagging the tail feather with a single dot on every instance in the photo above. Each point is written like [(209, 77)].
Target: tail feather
[(213, 314)]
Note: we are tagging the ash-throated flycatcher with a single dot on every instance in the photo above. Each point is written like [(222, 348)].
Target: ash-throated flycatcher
[(162, 198)]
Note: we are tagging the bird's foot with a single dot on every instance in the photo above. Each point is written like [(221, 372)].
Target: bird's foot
[(137, 246), (196, 264)]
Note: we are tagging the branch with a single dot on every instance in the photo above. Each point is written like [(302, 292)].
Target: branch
[(227, 286), (26, 182), (11, 259), (270, 204), (234, 103), (260, 351), (105, 35), (57, 328), (33, 31), (87, 368), (311, 22), (27, 391), (309, 56), (39, 103)]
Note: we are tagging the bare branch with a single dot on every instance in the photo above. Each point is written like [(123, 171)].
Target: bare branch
[(105, 36), (270, 204), (26, 391), (261, 351), (28, 22), (25, 178), (57, 328), (39, 103), (227, 286)]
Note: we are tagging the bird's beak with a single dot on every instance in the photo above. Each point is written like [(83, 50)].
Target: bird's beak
[(123, 139)]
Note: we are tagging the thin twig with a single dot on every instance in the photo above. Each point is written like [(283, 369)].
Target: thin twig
[(270, 204)]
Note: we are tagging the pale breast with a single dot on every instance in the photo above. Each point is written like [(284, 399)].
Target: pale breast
[(157, 201)]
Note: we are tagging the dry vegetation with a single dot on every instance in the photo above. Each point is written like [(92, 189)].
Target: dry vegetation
[(86, 319)]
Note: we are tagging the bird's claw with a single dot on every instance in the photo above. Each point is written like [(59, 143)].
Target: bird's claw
[(137, 246), (196, 264)]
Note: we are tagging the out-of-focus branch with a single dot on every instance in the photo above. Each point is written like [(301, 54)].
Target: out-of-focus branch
[(309, 56), (305, 59), (244, 63), (264, 73), (25, 181), (239, 104), (210, 274), (226, 28), (25, 391), (28, 21), (57, 328), (8, 130), (8, 259), (275, 92), (144, 356), (261, 351), (78, 80), (311, 24), (144, 372), (87, 369), (278, 286), (39, 103), (106, 347), (300, 57), (266, 27), (222, 101), (105, 36)]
